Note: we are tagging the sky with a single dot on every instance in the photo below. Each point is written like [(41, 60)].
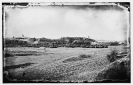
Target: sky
[(98, 22)]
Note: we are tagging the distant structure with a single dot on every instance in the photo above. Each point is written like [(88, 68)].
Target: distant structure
[(22, 35), (23, 38)]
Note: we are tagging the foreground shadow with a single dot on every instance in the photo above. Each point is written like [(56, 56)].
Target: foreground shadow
[(17, 66)]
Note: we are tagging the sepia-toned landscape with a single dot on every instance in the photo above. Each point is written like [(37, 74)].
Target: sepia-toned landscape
[(66, 43), (65, 64)]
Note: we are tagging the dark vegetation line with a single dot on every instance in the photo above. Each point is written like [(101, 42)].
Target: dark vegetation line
[(74, 59), (54, 43), (17, 66)]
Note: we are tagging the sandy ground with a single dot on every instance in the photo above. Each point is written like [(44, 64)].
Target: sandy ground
[(49, 65)]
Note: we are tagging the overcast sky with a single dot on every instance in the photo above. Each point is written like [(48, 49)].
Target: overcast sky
[(98, 22)]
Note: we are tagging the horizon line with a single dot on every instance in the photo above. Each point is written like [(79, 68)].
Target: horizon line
[(64, 37)]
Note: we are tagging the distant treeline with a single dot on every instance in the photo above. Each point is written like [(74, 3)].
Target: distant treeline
[(53, 43)]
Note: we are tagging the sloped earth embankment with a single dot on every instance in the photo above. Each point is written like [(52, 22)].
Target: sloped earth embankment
[(118, 71)]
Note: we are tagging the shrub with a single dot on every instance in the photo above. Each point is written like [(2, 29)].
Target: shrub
[(8, 54), (71, 59), (84, 56), (112, 56), (80, 57)]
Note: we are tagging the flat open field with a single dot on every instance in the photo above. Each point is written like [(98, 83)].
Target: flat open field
[(57, 64)]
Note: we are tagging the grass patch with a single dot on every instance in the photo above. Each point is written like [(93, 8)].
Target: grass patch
[(84, 56), (72, 59), (80, 57)]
